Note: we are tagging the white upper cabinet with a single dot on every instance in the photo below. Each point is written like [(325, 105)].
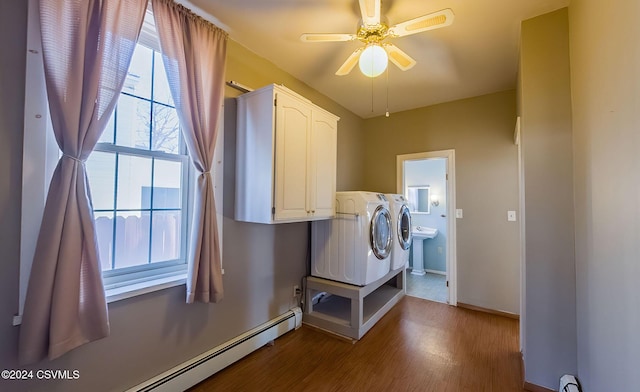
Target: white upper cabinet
[(285, 158)]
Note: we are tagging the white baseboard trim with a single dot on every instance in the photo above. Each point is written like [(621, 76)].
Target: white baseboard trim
[(491, 311), (436, 272)]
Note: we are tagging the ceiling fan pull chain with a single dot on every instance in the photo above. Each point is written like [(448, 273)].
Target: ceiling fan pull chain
[(387, 113), (371, 95)]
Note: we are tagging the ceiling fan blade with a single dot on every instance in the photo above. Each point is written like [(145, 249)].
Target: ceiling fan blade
[(327, 37), (431, 21), (398, 57), (351, 62), (370, 10)]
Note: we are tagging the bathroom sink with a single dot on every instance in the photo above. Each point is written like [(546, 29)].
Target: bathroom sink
[(422, 232), (419, 234)]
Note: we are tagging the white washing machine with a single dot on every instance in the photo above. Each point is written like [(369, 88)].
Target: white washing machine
[(401, 224), (355, 246)]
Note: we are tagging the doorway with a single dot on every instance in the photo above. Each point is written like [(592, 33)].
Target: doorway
[(427, 180)]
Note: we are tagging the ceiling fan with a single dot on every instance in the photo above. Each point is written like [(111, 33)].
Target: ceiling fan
[(373, 32)]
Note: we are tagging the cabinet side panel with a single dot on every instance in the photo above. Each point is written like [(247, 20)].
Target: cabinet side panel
[(254, 155)]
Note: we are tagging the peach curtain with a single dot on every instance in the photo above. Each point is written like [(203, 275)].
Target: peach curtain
[(194, 53), (87, 47)]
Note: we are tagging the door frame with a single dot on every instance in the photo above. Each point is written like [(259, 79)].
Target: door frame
[(451, 258)]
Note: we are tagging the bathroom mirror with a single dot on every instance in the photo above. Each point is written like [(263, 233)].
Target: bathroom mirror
[(418, 197)]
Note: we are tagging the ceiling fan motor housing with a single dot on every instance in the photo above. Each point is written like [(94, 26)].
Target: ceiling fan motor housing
[(373, 34)]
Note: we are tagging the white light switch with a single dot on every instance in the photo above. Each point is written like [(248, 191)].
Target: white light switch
[(459, 213), (511, 216)]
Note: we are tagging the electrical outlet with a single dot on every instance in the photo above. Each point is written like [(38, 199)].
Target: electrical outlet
[(296, 290), (439, 250)]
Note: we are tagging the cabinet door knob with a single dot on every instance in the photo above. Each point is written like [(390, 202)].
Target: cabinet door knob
[(313, 211)]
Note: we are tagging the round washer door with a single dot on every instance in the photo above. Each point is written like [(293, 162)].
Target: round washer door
[(380, 235), (404, 228)]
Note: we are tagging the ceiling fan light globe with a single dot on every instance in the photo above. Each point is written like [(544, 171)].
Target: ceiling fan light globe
[(373, 61)]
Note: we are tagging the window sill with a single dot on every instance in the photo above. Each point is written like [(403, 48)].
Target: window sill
[(135, 289), (149, 286)]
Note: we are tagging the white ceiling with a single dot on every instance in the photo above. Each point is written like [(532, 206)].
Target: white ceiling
[(476, 55)]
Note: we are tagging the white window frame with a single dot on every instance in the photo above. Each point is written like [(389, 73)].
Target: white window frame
[(173, 271), (40, 157)]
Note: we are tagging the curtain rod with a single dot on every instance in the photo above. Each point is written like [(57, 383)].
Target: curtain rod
[(203, 14), (238, 86)]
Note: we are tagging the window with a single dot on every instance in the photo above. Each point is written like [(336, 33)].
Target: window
[(139, 173)]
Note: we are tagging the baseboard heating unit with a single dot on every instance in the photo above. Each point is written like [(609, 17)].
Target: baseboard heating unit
[(191, 372)]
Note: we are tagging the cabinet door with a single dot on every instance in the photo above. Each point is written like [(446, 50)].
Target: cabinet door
[(293, 125), (322, 168)]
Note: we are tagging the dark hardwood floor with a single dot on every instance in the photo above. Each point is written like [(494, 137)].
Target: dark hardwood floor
[(418, 346)]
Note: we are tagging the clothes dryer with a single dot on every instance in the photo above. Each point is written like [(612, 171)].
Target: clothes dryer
[(401, 224), (355, 246)]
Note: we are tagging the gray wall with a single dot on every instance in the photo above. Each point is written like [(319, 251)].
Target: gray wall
[(480, 130), (605, 80), (550, 315), (154, 332)]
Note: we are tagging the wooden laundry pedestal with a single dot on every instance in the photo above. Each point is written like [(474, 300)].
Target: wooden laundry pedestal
[(352, 310)]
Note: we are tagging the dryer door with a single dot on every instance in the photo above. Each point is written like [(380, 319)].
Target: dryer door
[(381, 233), (404, 228)]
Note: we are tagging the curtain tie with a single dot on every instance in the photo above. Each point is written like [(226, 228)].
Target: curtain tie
[(74, 158)]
